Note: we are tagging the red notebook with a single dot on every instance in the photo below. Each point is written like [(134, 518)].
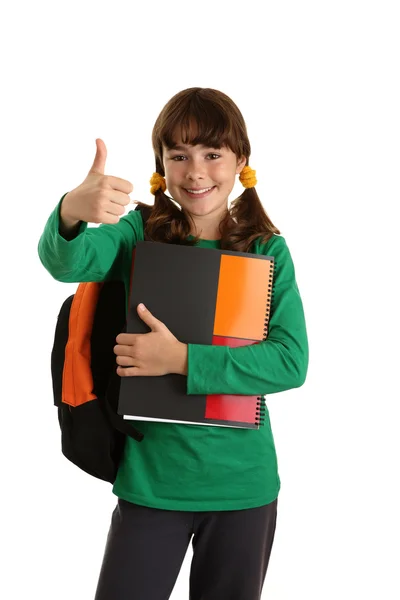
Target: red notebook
[(204, 296)]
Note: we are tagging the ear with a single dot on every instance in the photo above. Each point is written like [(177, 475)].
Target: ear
[(240, 164)]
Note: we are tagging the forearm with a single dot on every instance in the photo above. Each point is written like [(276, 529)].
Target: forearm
[(265, 368), (280, 363), (90, 253)]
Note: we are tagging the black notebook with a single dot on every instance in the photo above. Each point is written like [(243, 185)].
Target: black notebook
[(204, 296)]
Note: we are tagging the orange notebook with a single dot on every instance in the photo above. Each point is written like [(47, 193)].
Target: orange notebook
[(204, 296)]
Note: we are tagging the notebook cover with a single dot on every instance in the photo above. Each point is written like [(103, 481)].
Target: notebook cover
[(204, 296)]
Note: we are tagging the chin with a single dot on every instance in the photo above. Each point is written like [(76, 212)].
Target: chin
[(201, 211)]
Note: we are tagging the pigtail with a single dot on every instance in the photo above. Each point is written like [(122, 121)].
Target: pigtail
[(246, 222)]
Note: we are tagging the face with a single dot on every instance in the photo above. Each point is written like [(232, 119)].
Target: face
[(200, 180)]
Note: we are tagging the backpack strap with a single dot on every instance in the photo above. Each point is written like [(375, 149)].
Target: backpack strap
[(77, 379)]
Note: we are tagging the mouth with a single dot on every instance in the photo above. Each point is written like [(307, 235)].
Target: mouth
[(199, 192)]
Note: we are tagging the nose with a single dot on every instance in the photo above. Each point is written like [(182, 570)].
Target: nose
[(195, 170)]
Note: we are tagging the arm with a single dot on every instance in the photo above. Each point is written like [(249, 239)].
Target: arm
[(280, 363), (73, 253)]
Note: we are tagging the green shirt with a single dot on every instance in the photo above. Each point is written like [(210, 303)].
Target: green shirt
[(197, 467)]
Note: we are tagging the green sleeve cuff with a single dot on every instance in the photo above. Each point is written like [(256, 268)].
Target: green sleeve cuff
[(58, 255), (203, 363)]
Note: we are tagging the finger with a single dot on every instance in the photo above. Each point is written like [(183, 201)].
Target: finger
[(122, 185), (126, 361), (115, 209), (127, 339), (121, 350), (149, 318), (118, 197), (99, 162), (128, 371)]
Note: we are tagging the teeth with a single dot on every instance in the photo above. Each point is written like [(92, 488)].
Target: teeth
[(199, 191)]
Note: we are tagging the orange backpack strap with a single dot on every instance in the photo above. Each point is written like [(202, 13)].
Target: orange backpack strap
[(77, 384)]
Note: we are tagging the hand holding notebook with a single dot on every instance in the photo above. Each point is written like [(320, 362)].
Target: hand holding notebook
[(150, 354)]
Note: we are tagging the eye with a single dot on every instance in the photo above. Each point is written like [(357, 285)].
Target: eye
[(177, 158), (214, 155)]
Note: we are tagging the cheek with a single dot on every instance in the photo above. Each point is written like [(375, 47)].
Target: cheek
[(224, 173), (173, 172)]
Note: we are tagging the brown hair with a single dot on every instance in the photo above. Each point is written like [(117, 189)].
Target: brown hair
[(218, 123)]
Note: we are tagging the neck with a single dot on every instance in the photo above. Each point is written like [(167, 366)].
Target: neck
[(207, 228)]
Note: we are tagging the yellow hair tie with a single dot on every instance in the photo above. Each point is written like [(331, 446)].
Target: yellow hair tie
[(247, 177), (157, 181)]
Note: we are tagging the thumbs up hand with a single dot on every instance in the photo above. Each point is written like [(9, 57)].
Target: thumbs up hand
[(99, 199)]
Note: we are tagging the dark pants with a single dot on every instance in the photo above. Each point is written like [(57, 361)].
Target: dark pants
[(146, 548)]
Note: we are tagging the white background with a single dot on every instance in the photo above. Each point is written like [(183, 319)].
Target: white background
[(318, 85)]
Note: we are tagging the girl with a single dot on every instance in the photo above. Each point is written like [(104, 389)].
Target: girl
[(214, 486)]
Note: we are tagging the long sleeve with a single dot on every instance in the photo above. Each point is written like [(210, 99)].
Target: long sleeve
[(94, 253), (275, 365)]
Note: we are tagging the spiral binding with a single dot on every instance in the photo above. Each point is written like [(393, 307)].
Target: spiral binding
[(269, 299), (260, 411), (261, 408)]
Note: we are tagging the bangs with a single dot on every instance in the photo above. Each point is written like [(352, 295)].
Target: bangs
[(199, 121)]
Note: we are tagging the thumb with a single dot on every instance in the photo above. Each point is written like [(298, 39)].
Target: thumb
[(99, 162), (148, 318)]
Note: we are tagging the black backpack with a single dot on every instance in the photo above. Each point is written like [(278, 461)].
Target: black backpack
[(85, 382)]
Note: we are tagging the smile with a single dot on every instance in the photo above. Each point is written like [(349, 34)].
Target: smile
[(199, 193)]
